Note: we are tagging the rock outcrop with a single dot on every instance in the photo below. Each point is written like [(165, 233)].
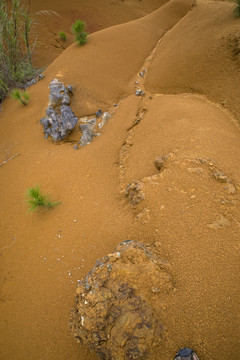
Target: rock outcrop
[(60, 119), (112, 314)]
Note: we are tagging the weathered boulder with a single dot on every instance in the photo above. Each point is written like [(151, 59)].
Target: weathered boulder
[(60, 119), (112, 313)]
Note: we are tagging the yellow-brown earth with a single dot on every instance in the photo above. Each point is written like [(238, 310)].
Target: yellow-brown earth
[(190, 111)]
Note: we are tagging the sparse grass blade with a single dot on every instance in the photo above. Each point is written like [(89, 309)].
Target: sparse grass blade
[(21, 96), (37, 200), (63, 35), (237, 8)]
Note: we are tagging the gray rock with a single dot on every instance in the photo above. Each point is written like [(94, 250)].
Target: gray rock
[(87, 132), (34, 81), (60, 119), (58, 94), (139, 92)]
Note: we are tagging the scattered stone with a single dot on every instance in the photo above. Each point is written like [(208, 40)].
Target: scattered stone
[(160, 161), (209, 162), (87, 132), (34, 81), (75, 147), (98, 113), (195, 170), (134, 192), (142, 73), (115, 105), (220, 223), (220, 176), (230, 188), (139, 92), (60, 119), (113, 313), (105, 117)]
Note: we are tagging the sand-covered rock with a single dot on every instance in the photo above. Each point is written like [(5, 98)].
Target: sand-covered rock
[(112, 314)]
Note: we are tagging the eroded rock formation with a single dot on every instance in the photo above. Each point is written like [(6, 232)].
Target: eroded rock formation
[(112, 313)]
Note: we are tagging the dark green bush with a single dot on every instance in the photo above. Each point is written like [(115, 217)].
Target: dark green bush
[(15, 50), (78, 29)]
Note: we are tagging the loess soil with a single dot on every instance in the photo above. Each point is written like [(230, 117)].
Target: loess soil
[(190, 209)]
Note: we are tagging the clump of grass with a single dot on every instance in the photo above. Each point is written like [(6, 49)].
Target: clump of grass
[(78, 29), (63, 35), (237, 8), (21, 96), (15, 49), (37, 200)]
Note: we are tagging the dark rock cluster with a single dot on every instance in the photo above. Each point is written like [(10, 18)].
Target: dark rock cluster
[(112, 313), (60, 119)]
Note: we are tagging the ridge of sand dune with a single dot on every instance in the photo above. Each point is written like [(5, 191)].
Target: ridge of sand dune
[(51, 17), (201, 54), (101, 71)]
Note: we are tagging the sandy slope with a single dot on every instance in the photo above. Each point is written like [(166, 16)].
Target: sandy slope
[(201, 54), (51, 17), (189, 216)]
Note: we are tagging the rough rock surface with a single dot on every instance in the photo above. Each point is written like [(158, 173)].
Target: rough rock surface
[(112, 314), (60, 119), (134, 192), (87, 131)]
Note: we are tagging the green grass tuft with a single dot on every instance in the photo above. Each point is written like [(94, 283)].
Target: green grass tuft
[(38, 201), (237, 8), (78, 29), (21, 96), (63, 35)]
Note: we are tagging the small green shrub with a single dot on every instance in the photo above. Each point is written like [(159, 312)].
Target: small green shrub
[(21, 96), (237, 8), (78, 29), (38, 201), (63, 35)]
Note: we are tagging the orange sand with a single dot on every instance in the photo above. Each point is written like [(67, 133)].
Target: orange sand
[(188, 215)]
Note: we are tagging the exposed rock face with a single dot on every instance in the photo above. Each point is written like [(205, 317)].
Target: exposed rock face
[(60, 119), (112, 313)]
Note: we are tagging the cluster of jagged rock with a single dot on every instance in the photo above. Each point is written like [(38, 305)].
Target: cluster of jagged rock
[(60, 120)]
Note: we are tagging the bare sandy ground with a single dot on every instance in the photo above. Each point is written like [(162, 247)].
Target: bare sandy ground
[(189, 214)]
